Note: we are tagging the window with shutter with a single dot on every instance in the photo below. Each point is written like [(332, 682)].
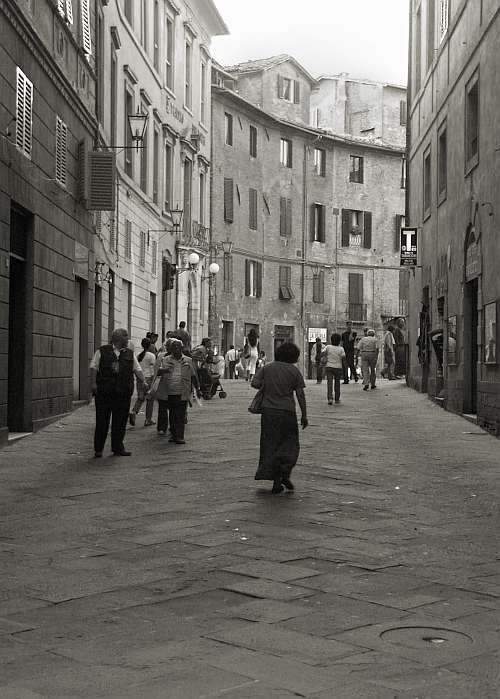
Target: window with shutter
[(283, 230), (317, 223), (229, 129), (296, 92), (286, 152), (253, 141), (402, 113), (65, 9), (285, 283), (346, 227), (128, 240), (154, 258), (443, 18), (356, 172), (356, 311), (289, 217), (85, 15), (24, 108), (252, 209), (258, 279), (142, 249), (248, 281), (112, 234), (228, 200), (228, 272), (367, 232), (320, 162), (319, 287), (61, 151)]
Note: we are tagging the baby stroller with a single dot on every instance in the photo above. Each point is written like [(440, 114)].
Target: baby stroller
[(210, 383)]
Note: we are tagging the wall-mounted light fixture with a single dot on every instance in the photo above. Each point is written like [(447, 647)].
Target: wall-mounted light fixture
[(101, 275)]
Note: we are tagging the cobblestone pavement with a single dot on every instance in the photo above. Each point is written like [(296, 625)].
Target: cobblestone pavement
[(173, 574)]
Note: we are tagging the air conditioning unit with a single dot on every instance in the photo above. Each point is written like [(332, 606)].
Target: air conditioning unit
[(101, 181)]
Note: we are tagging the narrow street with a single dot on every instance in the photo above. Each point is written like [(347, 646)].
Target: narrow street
[(173, 574)]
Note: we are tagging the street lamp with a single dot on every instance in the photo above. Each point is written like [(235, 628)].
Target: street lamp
[(137, 124)]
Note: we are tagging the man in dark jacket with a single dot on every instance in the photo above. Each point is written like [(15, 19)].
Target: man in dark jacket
[(348, 343), (112, 372)]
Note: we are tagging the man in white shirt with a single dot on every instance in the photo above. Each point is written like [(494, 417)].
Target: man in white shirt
[(231, 359), (112, 372)]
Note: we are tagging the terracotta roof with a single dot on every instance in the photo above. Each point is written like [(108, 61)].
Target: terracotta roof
[(266, 63)]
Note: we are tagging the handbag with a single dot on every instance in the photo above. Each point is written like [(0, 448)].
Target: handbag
[(154, 387), (255, 406)]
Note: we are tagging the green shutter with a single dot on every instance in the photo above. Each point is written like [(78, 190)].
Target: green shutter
[(289, 217), (312, 221), (259, 279), (282, 216), (228, 200)]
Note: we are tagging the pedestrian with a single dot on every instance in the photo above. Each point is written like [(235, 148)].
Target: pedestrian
[(112, 372), (147, 361), (251, 353), (400, 349), (239, 369), (177, 379), (316, 352), (183, 335), (335, 361), (389, 354), (231, 359), (368, 351), (262, 360), (348, 343), (279, 434)]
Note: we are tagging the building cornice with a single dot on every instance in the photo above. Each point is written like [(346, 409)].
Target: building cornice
[(43, 58)]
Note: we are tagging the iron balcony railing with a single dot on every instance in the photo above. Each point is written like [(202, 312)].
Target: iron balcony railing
[(356, 312)]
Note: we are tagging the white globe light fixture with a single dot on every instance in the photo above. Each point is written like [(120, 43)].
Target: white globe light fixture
[(193, 259), (214, 268)]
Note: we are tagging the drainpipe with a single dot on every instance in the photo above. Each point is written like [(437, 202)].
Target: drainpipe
[(407, 165), (303, 261)]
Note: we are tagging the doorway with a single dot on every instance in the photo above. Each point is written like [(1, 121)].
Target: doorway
[(20, 323), (227, 336), (471, 318), (80, 336), (283, 333)]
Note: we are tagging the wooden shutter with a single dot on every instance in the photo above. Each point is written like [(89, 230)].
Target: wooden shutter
[(228, 200), (24, 108), (112, 233), (367, 237), (128, 240), (315, 288), (247, 277), (355, 288), (397, 232), (402, 113), (61, 150), (142, 249), (346, 227), (69, 11), (252, 209), (296, 92), (289, 217), (85, 14), (102, 180), (228, 272), (321, 223), (321, 287), (312, 222), (282, 216), (154, 258), (280, 86), (361, 176), (258, 275)]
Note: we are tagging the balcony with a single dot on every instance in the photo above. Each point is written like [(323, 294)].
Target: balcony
[(197, 236), (356, 312)]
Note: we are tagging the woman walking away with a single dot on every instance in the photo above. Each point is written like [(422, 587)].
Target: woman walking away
[(279, 433), (147, 360), (251, 353), (368, 351), (335, 363)]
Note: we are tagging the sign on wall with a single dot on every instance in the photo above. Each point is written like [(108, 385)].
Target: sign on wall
[(409, 251), (313, 333)]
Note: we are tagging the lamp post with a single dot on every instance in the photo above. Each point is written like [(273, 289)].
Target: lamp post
[(137, 124), (223, 248)]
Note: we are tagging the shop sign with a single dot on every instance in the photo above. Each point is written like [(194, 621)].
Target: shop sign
[(313, 333), (409, 251), (472, 262), (174, 111)]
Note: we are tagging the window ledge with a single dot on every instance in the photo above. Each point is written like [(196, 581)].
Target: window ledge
[(188, 110), (471, 164), (427, 214), (442, 197)]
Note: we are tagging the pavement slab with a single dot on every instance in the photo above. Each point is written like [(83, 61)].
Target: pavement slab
[(173, 574)]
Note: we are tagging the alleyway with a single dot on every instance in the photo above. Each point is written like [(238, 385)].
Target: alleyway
[(174, 575)]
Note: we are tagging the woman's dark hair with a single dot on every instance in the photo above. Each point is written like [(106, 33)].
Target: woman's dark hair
[(146, 344), (335, 339), (287, 352), (252, 337), (390, 328)]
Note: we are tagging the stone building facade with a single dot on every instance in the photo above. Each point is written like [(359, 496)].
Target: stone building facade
[(155, 58), (47, 114), (454, 203), (312, 215)]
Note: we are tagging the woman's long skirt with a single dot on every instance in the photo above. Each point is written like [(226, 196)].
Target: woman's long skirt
[(279, 444)]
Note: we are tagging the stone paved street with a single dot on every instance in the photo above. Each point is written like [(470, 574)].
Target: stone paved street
[(173, 574)]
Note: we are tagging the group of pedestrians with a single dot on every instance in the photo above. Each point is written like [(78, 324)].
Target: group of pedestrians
[(340, 358), (168, 376)]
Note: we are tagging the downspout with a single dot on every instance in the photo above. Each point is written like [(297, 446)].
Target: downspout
[(409, 99), (304, 254)]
